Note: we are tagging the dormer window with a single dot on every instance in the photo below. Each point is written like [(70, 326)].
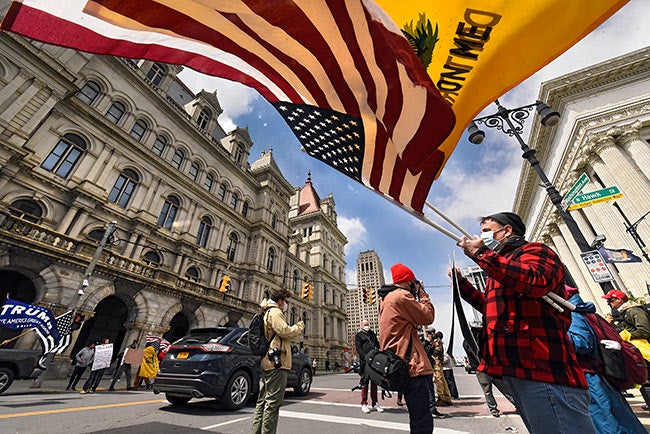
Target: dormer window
[(239, 153), (204, 118), (157, 73)]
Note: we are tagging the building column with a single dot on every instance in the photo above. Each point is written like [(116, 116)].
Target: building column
[(99, 167), (67, 218), (106, 169), (635, 147), (19, 100), (10, 90), (79, 224)]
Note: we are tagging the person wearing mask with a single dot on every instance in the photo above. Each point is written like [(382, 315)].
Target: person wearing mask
[(405, 308), (276, 365), (525, 340), (438, 356), (365, 341), (633, 318), (83, 359), (123, 367), (609, 410)]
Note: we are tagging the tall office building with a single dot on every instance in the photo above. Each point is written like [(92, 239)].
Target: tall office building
[(476, 277), (370, 276)]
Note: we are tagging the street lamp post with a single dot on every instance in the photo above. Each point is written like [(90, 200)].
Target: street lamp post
[(511, 122), (631, 229)]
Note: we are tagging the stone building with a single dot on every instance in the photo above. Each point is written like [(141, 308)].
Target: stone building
[(603, 132), (370, 276), (86, 140)]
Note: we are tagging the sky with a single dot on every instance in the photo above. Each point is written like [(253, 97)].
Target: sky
[(369, 221)]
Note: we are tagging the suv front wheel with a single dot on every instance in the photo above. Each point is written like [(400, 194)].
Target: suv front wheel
[(237, 391), (304, 382)]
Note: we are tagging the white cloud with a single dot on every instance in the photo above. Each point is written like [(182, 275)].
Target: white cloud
[(354, 230), (351, 276)]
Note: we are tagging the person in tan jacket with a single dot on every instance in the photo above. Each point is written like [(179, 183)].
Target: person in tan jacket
[(276, 364), (405, 308)]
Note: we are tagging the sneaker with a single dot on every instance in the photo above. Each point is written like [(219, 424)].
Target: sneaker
[(365, 409), (495, 413), (83, 392), (645, 407), (437, 415), (378, 408), (400, 403)]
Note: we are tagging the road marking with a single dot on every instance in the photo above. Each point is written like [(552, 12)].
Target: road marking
[(207, 428), (311, 401), (396, 426), (68, 410)]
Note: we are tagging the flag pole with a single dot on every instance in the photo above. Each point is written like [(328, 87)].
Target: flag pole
[(450, 221), (440, 228)]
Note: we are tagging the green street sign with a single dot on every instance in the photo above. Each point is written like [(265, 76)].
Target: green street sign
[(587, 199), (574, 190)]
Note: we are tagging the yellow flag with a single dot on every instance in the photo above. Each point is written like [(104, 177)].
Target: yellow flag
[(483, 48)]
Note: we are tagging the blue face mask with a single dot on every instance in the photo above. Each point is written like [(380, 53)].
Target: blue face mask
[(488, 239)]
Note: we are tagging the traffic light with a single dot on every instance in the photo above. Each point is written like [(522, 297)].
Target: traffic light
[(371, 296), (366, 292), (225, 284), (77, 321), (307, 290)]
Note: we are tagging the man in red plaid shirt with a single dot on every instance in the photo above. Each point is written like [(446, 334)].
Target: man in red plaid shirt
[(524, 340)]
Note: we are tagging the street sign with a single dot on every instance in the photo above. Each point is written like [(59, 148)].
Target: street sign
[(575, 190), (586, 199), (596, 266)]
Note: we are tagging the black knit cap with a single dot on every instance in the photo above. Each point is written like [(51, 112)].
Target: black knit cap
[(512, 219)]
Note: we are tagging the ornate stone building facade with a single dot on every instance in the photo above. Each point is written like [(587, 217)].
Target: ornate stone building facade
[(86, 140), (603, 132)]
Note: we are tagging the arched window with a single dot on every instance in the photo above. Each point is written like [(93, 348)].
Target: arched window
[(274, 221), (245, 209), (89, 92), (96, 235), (294, 315), (267, 294), (178, 158), (156, 73), (194, 170), (204, 118), (223, 189), (270, 260), (159, 145), (305, 319), (168, 212), (152, 259), (209, 182), (205, 227), (326, 325), (295, 280), (234, 200), (26, 210), (232, 247), (138, 130), (65, 155), (239, 153), (123, 188), (115, 112), (192, 274)]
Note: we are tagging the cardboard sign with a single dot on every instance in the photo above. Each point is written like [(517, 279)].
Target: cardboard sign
[(103, 354), (133, 357)]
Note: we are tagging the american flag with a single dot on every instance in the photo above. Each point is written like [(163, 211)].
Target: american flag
[(63, 323), (159, 344), (344, 61)]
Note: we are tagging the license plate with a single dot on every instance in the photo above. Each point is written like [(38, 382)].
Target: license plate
[(183, 355)]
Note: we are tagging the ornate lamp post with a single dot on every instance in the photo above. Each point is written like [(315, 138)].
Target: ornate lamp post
[(511, 122)]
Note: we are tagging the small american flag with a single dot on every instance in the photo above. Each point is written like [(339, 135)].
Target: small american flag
[(159, 344)]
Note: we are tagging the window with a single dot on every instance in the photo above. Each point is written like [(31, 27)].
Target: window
[(234, 200), (138, 130), (115, 112), (156, 73), (232, 247), (223, 189), (239, 153), (26, 210), (203, 119), (65, 155), (192, 274), (168, 212), (274, 221), (245, 209), (96, 234), (295, 280), (209, 182), (123, 188), (294, 315), (89, 92), (194, 170), (159, 145), (152, 259), (177, 159), (205, 227), (270, 260)]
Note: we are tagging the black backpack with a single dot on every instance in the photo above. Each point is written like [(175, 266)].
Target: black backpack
[(257, 341)]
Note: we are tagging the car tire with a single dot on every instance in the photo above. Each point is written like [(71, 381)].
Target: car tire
[(237, 391), (304, 382), (177, 400), (6, 378)]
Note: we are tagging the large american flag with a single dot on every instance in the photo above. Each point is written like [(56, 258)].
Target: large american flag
[(63, 327), (340, 72)]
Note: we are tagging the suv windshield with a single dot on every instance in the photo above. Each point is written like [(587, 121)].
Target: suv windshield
[(202, 337)]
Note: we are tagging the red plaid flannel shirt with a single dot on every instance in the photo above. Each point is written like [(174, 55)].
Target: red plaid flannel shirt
[(524, 336)]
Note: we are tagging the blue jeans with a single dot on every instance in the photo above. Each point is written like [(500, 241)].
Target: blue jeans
[(551, 408)]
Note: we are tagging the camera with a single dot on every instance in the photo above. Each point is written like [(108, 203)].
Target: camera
[(274, 356)]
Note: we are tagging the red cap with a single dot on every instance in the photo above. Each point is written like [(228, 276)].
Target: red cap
[(401, 273), (615, 293)]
